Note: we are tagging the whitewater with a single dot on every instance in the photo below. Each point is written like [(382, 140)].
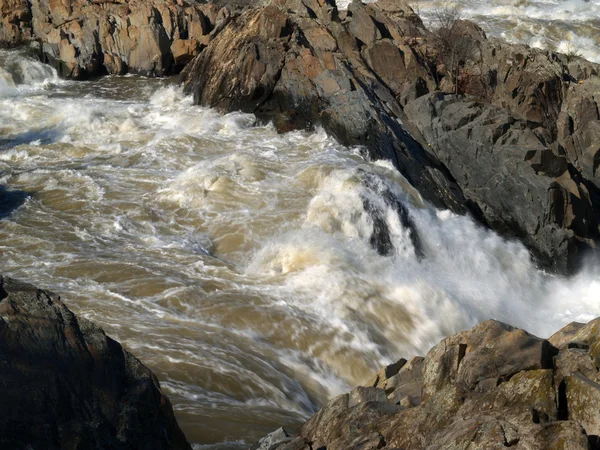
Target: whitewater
[(237, 263)]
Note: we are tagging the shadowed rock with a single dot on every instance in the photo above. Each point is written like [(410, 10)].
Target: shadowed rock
[(65, 384)]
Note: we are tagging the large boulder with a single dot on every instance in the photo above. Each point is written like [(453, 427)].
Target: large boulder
[(491, 387), (505, 150), (65, 384), (525, 189)]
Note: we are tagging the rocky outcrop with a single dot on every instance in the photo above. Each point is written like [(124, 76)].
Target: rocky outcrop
[(490, 387), (89, 38), (65, 384), (506, 133), (515, 148)]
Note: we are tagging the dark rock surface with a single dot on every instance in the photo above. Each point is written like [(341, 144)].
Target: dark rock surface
[(516, 149), (490, 387), (65, 384)]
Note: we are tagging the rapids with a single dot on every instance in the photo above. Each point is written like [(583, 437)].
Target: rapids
[(241, 265), (567, 26)]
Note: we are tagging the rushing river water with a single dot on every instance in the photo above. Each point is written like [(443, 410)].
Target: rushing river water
[(569, 26), (236, 262)]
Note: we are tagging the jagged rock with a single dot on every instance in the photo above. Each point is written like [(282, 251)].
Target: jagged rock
[(84, 39), (490, 350), (405, 388), (490, 387), (528, 191), (65, 384), (365, 77), (298, 64)]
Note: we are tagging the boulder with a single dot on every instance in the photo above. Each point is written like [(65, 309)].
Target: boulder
[(509, 150), (491, 387), (65, 384), (526, 190)]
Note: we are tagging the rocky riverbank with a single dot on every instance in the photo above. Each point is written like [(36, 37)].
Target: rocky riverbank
[(65, 384), (490, 387), (506, 133)]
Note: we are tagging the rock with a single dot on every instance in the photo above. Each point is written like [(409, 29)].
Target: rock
[(490, 350), (15, 22), (565, 335), (273, 440), (528, 191), (65, 384), (84, 39), (367, 77), (490, 387), (406, 386), (366, 394), (583, 401)]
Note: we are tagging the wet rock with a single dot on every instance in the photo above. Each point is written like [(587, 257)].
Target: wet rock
[(65, 384)]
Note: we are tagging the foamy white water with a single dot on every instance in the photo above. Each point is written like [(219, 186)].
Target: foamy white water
[(237, 263), (567, 26)]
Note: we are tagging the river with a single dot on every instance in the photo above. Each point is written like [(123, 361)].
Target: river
[(235, 262)]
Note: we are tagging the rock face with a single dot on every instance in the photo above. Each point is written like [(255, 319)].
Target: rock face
[(89, 38), (517, 148), (65, 384), (491, 387)]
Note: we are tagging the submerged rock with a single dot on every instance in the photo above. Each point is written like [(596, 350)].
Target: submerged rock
[(491, 387), (65, 384)]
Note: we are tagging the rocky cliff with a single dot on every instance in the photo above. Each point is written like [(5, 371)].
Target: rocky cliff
[(509, 135), (490, 387), (65, 384), (89, 38)]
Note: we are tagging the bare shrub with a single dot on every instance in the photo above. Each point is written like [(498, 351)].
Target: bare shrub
[(454, 45), (571, 52)]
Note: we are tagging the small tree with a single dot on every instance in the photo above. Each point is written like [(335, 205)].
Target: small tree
[(454, 45)]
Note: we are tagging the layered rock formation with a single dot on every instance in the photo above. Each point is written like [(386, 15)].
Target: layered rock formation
[(516, 148), (491, 387), (89, 38), (65, 384)]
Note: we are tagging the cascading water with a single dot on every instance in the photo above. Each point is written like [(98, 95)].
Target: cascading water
[(256, 274)]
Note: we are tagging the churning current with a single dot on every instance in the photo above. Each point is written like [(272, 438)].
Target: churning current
[(241, 265)]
